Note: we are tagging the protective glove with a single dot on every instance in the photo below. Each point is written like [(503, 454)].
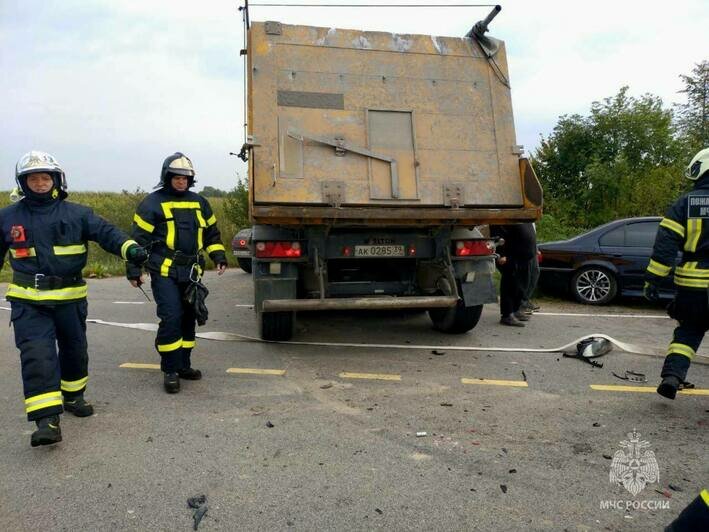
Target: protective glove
[(136, 255), (651, 292)]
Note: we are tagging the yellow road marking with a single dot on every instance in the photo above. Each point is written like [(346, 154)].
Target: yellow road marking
[(373, 376), (643, 389), (520, 384), (256, 371), (132, 365)]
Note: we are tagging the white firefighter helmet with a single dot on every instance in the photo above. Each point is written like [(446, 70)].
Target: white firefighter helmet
[(176, 164), (698, 166), (38, 161)]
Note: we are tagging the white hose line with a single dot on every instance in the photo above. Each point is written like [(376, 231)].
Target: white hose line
[(571, 346)]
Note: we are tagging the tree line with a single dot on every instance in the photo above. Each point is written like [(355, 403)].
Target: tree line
[(626, 158)]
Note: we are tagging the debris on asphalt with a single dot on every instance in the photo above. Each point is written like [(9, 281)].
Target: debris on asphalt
[(421, 434), (596, 424), (591, 348), (607, 457), (378, 511), (513, 470), (446, 404), (326, 386), (199, 504), (674, 487), (631, 376), (666, 493), (686, 385), (269, 424), (503, 488), (438, 352), (524, 376)]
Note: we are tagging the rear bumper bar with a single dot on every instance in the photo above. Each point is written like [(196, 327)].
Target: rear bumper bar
[(363, 303)]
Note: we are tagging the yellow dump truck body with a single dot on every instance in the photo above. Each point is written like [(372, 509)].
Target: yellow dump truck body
[(353, 127)]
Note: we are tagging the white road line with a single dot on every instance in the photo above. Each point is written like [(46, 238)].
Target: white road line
[(574, 314), (244, 306), (129, 302)]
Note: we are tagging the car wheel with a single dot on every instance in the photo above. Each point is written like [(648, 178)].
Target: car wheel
[(594, 285), (244, 264)]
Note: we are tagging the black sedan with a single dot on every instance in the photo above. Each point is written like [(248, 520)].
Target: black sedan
[(598, 265)]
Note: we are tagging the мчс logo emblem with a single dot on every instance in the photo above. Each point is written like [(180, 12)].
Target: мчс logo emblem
[(634, 466)]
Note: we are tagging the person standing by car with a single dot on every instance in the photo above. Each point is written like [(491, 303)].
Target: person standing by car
[(685, 228), (47, 238), (178, 227), (528, 306), (520, 246)]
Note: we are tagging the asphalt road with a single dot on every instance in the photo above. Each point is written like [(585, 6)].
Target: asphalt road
[(528, 448)]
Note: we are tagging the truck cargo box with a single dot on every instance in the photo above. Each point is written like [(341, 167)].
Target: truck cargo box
[(370, 128)]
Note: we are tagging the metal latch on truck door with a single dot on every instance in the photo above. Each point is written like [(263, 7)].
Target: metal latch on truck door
[(454, 195), (341, 147)]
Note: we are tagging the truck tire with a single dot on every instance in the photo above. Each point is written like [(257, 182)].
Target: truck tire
[(276, 326), (244, 264), (455, 320)]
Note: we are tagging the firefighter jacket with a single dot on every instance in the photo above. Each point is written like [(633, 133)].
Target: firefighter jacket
[(684, 228), (176, 229), (48, 248)]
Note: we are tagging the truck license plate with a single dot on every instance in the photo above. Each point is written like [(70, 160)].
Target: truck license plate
[(379, 251), (242, 253)]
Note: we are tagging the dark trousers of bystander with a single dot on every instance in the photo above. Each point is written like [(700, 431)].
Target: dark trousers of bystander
[(514, 282)]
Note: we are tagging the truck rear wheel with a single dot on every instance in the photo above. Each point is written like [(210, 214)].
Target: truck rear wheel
[(455, 320), (276, 326)]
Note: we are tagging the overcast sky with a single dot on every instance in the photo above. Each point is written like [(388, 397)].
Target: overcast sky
[(112, 87)]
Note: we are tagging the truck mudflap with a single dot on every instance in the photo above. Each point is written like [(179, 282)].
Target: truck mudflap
[(360, 303), (477, 286)]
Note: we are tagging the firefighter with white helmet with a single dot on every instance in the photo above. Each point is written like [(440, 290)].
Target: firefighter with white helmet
[(684, 228), (179, 227), (47, 238)]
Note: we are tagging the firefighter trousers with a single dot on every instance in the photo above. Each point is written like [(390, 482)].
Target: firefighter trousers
[(176, 332), (691, 309), (53, 354)]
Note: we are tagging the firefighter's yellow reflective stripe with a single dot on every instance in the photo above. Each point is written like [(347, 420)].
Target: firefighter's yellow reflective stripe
[(145, 226), (694, 231), (30, 253), (212, 220), (76, 249), (125, 246), (60, 294), (672, 226), (215, 247), (165, 267), (681, 349), (44, 400), (200, 218), (74, 386), (686, 271), (165, 348), (658, 268), (691, 265), (170, 238), (200, 238), (705, 496), (169, 205), (189, 344), (691, 283)]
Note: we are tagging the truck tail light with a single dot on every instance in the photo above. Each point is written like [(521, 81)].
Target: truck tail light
[(242, 243), (540, 257), (471, 248), (283, 250)]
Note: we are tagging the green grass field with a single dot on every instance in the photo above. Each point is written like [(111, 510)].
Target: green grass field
[(118, 208)]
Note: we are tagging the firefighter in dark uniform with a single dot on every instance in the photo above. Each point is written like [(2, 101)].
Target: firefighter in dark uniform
[(47, 239), (178, 227), (695, 517), (684, 228)]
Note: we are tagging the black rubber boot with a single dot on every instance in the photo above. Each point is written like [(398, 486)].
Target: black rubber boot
[(172, 382), (190, 374), (511, 320), (47, 433), (78, 406), (668, 387)]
